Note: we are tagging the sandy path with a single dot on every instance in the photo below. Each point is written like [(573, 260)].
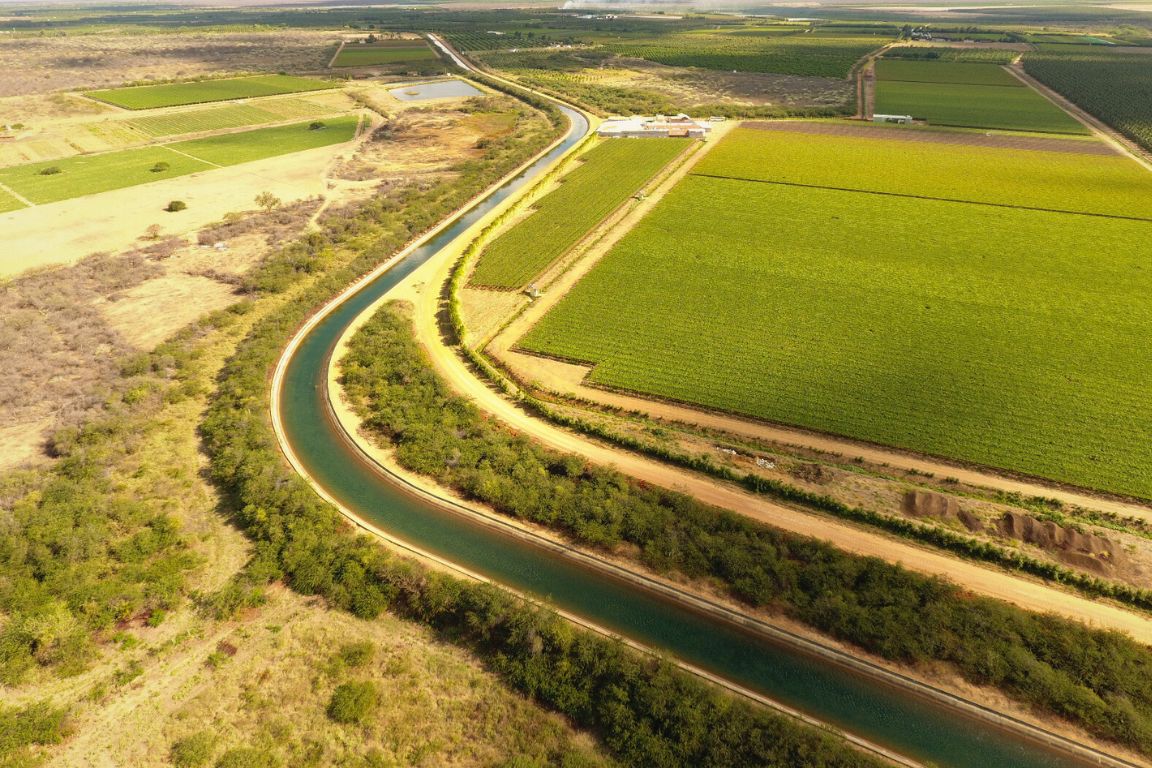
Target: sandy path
[(422, 288)]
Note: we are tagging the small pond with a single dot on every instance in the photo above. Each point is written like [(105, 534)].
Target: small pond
[(442, 89)]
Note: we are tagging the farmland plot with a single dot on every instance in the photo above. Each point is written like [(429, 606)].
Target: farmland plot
[(200, 92), (962, 73), (385, 52), (230, 116), (610, 173), (244, 147), (89, 174), (974, 106), (892, 160), (995, 335), (1117, 88), (8, 202)]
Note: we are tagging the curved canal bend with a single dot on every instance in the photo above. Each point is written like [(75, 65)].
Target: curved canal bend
[(878, 712)]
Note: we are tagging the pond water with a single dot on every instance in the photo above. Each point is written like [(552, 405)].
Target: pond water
[(441, 89)]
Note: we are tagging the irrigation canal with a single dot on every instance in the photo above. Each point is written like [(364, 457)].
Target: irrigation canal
[(908, 724)]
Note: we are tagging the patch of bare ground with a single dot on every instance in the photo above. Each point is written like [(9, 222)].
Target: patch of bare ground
[(45, 64), (696, 87), (933, 136), (485, 311)]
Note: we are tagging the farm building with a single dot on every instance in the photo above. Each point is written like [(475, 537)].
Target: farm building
[(649, 127), (898, 119)]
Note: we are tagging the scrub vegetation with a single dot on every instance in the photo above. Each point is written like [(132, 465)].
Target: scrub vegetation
[(1115, 87), (1100, 680), (201, 91), (606, 177), (860, 315)]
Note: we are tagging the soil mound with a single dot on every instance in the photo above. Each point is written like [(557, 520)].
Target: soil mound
[(1079, 549), (928, 504)]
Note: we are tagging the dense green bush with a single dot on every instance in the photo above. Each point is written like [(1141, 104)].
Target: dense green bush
[(193, 751), (1102, 680), (24, 726), (247, 757), (354, 702)]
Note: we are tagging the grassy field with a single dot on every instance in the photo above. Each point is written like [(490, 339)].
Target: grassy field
[(230, 116), (1000, 336), (945, 72), (244, 147), (1112, 185), (385, 52), (974, 106), (9, 203), (90, 174), (608, 176), (177, 94)]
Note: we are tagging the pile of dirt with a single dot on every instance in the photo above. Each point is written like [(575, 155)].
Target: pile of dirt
[(1079, 549), (920, 503)]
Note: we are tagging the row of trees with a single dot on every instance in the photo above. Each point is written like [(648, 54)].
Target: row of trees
[(1100, 680)]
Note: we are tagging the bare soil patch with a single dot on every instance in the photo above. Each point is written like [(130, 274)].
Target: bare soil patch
[(45, 64), (1074, 146)]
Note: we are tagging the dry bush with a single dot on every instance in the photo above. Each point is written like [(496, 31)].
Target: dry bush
[(56, 350), (276, 225)]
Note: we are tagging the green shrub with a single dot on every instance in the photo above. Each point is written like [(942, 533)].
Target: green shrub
[(51, 170), (160, 167), (176, 205), (354, 703), (247, 757), (35, 724), (193, 751), (317, 125), (356, 655)]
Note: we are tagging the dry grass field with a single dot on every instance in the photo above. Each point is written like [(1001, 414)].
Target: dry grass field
[(36, 65)]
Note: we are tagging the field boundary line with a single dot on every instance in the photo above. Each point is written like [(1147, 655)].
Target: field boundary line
[(1147, 220), (339, 50), (17, 195), (192, 157)]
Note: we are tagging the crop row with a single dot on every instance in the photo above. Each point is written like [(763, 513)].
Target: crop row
[(1061, 181), (976, 55), (370, 55), (869, 318), (608, 175), (975, 106), (963, 73), (229, 116), (1117, 88), (203, 91)]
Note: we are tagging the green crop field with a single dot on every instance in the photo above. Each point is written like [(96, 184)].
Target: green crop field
[(1115, 87), (776, 51), (609, 175), (975, 55), (385, 52), (1001, 336), (963, 73), (89, 174), (233, 148), (230, 116), (9, 203), (177, 94), (884, 163), (974, 106)]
